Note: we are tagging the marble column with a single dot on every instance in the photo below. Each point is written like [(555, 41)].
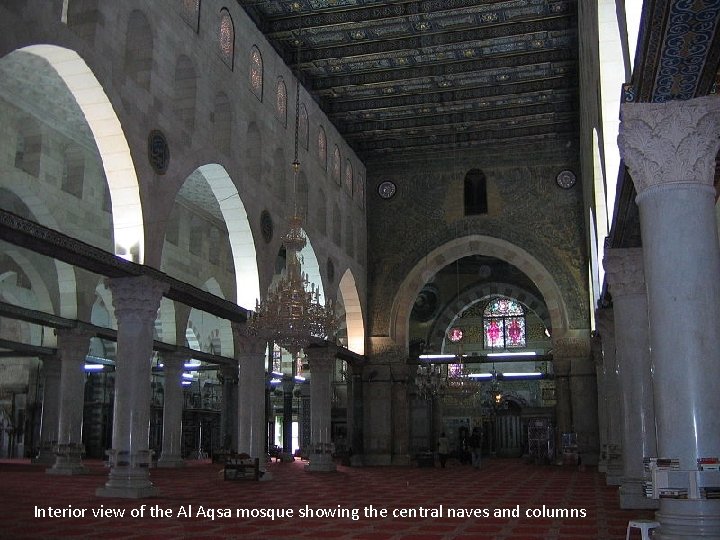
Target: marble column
[(251, 402), (50, 407), (229, 378), (355, 417), (136, 301), (171, 455), (605, 322), (670, 150), (596, 347), (322, 365), (73, 347), (624, 274)]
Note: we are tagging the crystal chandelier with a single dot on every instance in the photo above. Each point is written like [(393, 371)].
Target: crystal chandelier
[(291, 314), (460, 384), (429, 380)]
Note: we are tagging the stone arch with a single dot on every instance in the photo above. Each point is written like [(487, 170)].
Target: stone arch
[(128, 230), (225, 335), (475, 245), (311, 267), (20, 200), (449, 314), (354, 322), (240, 235)]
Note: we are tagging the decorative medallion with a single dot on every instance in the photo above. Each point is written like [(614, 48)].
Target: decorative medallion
[(158, 151), (330, 268), (566, 179), (386, 189), (455, 334), (266, 226)]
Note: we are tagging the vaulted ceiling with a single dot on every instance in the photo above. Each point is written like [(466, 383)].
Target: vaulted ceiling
[(404, 78)]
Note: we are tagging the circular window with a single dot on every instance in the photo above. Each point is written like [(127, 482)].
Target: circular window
[(386, 189)]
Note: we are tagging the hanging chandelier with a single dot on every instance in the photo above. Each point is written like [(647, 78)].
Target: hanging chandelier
[(429, 380), (291, 313)]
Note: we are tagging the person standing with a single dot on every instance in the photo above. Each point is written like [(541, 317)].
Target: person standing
[(443, 449), (475, 443)]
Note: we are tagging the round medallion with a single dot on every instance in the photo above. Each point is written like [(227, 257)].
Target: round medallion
[(455, 334), (158, 151), (565, 179), (266, 226), (386, 189)]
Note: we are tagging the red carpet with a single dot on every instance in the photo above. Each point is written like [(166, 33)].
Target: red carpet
[(457, 502)]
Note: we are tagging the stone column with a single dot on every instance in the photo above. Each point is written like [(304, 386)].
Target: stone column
[(251, 401), (229, 379), (605, 322), (596, 347), (50, 407), (563, 410), (624, 274), (355, 418), (401, 414), (322, 365), (670, 150), (171, 455), (73, 347), (136, 301)]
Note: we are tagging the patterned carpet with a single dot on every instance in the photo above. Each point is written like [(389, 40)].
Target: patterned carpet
[(432, 504)]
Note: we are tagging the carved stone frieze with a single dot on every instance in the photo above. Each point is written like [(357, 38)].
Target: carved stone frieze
[(670, 143)]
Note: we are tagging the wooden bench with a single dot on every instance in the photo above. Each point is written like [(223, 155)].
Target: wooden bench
[(241, 467)]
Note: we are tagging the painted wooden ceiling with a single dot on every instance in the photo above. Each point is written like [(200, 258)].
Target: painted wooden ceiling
[(404, 78)]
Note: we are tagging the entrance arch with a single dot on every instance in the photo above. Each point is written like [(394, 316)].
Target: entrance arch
[(475, 245)]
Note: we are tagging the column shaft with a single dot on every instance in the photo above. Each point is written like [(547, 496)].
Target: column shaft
[(322, 363), (172, 412), (50, 407), (251, 405)]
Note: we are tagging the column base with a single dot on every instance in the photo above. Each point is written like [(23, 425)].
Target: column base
[(67, 469), (128, 483), (688, 519), (602, 465), (46, 455), (170, 462), (68, 460), (321, 463), (632, 496)]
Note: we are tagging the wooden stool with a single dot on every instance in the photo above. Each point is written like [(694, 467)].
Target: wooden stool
[(645, 525)]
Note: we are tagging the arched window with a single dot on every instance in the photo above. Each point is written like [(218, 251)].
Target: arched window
[(504, 324), (349, 177), (256, 72), (281, 101), (322, 147), (190, 12), (226, 37), (139, 49), (336, 165), (475, 193)]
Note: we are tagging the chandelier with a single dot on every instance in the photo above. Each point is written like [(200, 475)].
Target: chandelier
[(291, 314), (429, 380), (460, 383)]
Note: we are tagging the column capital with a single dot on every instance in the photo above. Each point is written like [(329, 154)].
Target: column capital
[(321, 358), (670, 143), (245, 342), (73, 343), (624, 270), (136, 298)]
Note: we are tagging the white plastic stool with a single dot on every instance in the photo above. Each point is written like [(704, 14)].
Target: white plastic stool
[(645, 525)]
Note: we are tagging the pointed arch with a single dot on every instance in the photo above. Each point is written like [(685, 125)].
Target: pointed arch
[(128, 233), (354, 321), (475, 245)]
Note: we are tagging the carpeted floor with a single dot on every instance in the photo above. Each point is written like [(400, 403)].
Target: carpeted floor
[(432, 504)]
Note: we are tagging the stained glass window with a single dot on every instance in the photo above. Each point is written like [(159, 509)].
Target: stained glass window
[(322, 147), (504, 324), (281, 102), (336, 165), (256, 72), (349, 177), (227, 37)]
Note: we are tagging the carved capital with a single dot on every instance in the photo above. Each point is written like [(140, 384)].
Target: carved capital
[(136, 299), (321, 359), (670, 143), (624, 271), (72, 344)]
